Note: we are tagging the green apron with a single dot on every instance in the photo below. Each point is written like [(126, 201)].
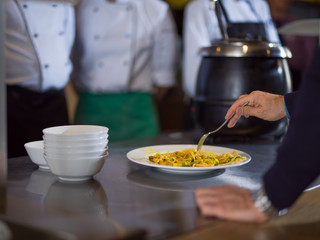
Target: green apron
[(127, 115)]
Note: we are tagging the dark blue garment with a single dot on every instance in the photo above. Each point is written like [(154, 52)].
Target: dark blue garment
[(298, 160), (289, 101)]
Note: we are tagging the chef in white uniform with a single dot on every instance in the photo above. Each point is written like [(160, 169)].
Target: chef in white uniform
[(39, 39), (126, 52), (201, 27)]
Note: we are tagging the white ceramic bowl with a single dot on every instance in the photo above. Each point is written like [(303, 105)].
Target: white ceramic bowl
[(78, 139), (75, 169), (75, 132), (72, 155), (74, 158), (77, 151), (36, 154), (74, 143)]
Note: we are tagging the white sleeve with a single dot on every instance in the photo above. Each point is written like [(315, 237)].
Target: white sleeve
[(71, 26), (195, 36), (165, 52)]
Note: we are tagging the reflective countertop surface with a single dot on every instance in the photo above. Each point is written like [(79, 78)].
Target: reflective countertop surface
[(125, 200)]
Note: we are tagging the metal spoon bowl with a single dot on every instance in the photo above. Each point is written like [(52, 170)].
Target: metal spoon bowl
[(204, 137)]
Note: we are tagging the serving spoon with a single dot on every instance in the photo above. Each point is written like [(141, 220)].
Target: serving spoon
[(204, 137)]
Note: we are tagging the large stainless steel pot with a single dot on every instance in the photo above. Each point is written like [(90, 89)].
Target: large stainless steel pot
[(233, 67)]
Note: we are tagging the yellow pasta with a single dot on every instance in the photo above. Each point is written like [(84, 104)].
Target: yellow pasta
[(194, 158)]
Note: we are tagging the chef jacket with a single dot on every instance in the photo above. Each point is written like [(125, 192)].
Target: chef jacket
[(126, 45), (201, 28), (39, 39)]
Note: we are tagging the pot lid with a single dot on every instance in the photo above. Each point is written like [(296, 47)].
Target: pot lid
[(245, 48)]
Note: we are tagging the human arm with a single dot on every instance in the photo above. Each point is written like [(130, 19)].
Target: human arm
[(263, 105), (229, 202), (296, 166)]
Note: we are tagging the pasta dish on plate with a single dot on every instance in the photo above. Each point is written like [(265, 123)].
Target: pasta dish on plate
[(194, 158)]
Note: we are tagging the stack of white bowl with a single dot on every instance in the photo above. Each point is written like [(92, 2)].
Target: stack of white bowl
[(75, 152)]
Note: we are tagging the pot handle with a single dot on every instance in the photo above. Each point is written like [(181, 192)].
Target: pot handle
[(215, 5)]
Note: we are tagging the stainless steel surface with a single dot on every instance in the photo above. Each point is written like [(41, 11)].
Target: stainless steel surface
[(245, 48), (18, 231), (125, 196)]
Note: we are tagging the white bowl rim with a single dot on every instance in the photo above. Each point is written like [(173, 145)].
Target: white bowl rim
[(76, 148), (72, 150), (71, 157), (75, 138), (35, 152), (74, 159), (34, 144), (73, 153), (75, 144), (61, 130)]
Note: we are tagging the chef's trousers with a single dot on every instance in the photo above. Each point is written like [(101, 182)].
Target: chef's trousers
[(29, 112)]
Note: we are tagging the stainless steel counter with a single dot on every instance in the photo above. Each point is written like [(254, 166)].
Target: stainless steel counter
[(125, 199)]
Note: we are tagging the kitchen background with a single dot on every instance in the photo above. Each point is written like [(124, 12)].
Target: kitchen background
[(173, 104)]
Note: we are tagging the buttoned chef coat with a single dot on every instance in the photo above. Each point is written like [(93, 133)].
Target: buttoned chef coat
[(39, 39), (201, 27), (126, 45)]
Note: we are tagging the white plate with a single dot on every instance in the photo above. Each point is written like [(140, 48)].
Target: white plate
[(140, 156)]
